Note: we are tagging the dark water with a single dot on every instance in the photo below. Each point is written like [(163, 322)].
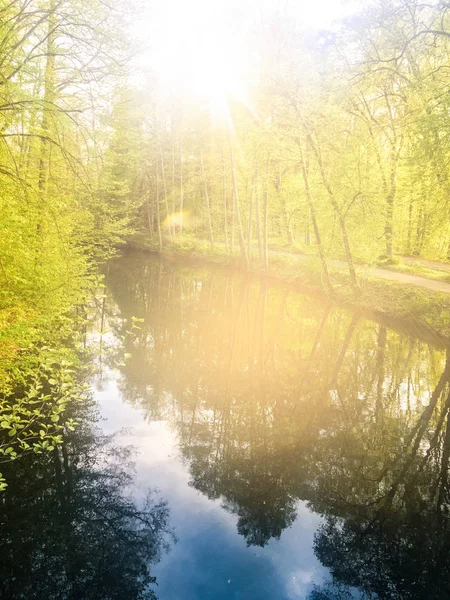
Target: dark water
[(283, 449)]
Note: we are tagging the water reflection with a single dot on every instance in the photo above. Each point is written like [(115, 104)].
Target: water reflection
[(70, 528), (276, 397)]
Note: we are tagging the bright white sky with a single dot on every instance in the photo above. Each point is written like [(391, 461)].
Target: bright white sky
[(204, 47)]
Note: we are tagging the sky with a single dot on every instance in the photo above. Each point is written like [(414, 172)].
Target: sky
[(207, 47)]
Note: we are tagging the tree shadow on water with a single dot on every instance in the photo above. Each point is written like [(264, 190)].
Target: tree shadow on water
[(71, 528), (276, 399)]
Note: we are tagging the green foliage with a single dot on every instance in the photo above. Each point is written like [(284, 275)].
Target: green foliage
[(37, 388), (340, 151), (50, 160), (55, 58)]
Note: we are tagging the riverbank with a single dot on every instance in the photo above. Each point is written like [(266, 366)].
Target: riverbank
[(418, 311), (43, 367)]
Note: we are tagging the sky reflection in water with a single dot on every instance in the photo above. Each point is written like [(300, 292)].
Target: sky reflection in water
[(209, 559)]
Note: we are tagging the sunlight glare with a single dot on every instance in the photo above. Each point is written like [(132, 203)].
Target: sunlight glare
[(203, 49)]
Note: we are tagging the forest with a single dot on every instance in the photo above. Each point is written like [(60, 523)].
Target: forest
[(337, 145), (331, 142), (277, 147)]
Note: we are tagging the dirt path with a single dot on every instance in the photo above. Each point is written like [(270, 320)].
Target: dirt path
[(429, 284), (365, 271), (429, 264)]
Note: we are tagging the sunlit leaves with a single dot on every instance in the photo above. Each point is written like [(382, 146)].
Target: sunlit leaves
[(34, 404)]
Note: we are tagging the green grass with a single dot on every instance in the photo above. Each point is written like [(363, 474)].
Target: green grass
[(421, 271)]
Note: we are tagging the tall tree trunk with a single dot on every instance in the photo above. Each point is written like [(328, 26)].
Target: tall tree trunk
[(284, 213), (233, 222), (389, 217), (307, 232), (348, 252), (388, 184), (149, 216), (225, 203), (410, 225), (266, 219), (207, 202), (166, 202), (237, 209), (419, 232), (181, 184), (258, 224), (312, 212), (173, 184), (158, 217), (47, 109), (30, 142), (250, 219), (338, 211)]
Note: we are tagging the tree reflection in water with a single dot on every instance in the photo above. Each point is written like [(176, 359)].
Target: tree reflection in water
[(70, 528), (278, 397)]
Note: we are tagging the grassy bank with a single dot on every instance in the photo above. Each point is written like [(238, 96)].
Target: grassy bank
[(421, 271), (414, 310)]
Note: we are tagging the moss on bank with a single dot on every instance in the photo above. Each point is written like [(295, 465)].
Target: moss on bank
[(414, 310)]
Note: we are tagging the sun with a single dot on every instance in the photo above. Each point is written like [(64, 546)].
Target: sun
[(196, 51), (216, 74), (204, 49)]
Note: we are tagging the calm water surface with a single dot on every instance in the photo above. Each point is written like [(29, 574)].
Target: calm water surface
[(282, 449)]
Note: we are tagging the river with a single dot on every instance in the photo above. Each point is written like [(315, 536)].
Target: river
[(250, 442)]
